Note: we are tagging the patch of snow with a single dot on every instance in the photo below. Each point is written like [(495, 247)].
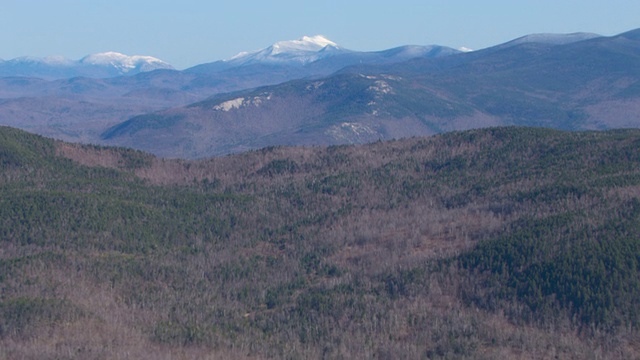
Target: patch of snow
[(307, 43), (465, 49), (125, 63), (318, 40), (96, 65), (304, 50), (238, 56)]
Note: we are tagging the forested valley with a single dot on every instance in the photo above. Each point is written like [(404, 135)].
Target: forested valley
[(512, 243)]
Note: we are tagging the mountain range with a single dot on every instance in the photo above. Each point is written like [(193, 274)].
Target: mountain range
[(311, 91), (101, 65), (496, 243)]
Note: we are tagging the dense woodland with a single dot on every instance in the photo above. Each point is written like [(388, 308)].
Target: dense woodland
[(495, 243)]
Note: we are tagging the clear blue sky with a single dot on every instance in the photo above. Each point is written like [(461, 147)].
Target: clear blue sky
[(189, 32)]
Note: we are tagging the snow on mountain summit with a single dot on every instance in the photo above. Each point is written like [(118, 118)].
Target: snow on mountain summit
[(304, 50), (125, 63), (101, 65), (307, 43)]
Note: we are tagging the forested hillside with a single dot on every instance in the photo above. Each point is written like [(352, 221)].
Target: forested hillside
[(495, 243)]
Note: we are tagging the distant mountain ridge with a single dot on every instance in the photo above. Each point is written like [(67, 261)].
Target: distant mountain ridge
[(300, 52), (100, 65), (572, 82), (305, 50), (316, 55), (59, 101), (313, 91), (551, 39)]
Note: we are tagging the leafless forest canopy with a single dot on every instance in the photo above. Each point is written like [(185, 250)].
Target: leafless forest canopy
[(495, 243)]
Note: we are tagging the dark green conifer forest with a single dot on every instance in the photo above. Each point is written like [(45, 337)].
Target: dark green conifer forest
[(512, 243)]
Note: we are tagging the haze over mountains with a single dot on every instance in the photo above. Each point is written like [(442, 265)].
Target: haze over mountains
[(312, 91), (101, 65)]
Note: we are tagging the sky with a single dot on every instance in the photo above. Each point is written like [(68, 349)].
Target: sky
[(185, 33)]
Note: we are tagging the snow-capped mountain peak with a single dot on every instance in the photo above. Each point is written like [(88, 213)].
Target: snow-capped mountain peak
[(306, 43), (304, 50), (101, 65), (125, 63)]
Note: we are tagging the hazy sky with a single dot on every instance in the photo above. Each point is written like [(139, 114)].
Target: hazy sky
[(189, 32)]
